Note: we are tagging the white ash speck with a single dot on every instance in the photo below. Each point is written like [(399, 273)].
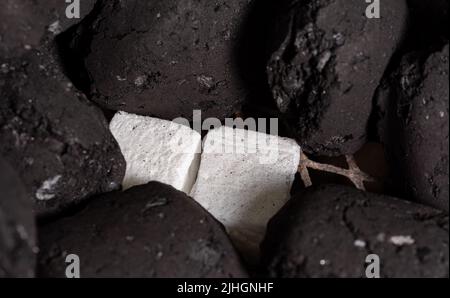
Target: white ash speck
[(121, 79), (324, 262), (69, 87), (159, 255), (360, 243), (111, 186), (402, 240), (4, 68), (27, 47), (324, 60), (206, 81), (46, 191), (157, 202), (281, 103), (441, 114), (339, 38), (22, 232), (140, 81), (55, 28)]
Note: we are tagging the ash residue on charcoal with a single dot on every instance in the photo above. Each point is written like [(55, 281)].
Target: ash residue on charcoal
[(59, 143), (148, 231), (325, 72), (290, 84), (411, 240)]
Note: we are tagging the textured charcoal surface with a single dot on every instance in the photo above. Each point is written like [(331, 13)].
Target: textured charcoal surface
[(414, 126), (17, 228), (325, 69), (30, 23), (328, 231), (57, 141), (165, 58), (147, 231)]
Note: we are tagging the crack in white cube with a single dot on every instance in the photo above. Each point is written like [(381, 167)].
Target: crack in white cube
[(245, 177), (157, 150)]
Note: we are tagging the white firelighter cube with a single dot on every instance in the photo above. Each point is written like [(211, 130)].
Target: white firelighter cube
[(245, 177), (157, 150)]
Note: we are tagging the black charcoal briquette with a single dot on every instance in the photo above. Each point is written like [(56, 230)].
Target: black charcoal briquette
[(166, 58), (151, 230), (329, 231), (56, 139), (327, 62), (414, 126)]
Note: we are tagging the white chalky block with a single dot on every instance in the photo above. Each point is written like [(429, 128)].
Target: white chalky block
[(157, 150), (245, 177)]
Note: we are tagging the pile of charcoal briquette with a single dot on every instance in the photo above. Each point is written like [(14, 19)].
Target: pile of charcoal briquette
[(340, 83)]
